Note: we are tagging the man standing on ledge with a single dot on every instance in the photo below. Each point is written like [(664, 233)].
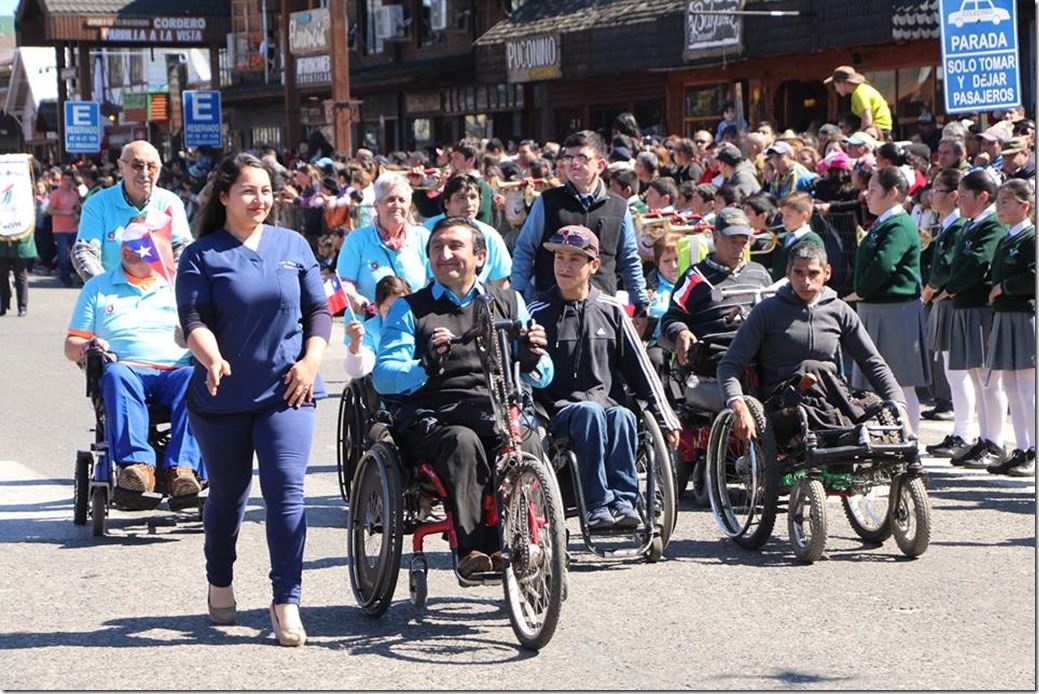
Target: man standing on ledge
[(108, 212)]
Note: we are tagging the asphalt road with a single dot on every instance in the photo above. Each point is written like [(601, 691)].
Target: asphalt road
[(127, 611)]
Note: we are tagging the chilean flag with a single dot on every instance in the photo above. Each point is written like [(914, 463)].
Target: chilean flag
[(153, 244), (692, 278), (337, 300)]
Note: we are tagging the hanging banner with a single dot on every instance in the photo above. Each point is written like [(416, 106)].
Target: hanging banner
[(17, 201)]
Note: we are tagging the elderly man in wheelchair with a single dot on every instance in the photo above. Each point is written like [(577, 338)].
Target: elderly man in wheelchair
[(122, 331), (711, 300), (812, 434)]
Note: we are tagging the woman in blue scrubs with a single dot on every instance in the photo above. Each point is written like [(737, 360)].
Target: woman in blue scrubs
[(254, 313)]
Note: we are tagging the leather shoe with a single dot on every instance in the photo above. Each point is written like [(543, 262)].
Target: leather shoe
[(474, 562), (991, 454), (950, 447), (181, 481), (137, 477), (496, 561), (221, 615), (287, 636), (972, 452)]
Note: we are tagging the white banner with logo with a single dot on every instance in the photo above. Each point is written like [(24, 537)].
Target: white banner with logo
[(17, 200)]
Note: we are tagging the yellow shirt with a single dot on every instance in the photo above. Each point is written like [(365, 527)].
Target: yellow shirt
[(867, 98)]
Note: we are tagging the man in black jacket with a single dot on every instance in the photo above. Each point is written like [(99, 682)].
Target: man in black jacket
[(596, 351)]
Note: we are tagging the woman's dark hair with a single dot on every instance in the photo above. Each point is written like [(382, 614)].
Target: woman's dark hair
[(213, 216), (625, 124), (891, 178), (457, 182), (762, 203), (948, 178), (388, 286), (980, 182), (893, 152), (731, 194)]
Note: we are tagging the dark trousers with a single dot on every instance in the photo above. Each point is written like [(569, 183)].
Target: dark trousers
[(281, 437), (63, 243), (464, 462), (45, 243), (20, 268)]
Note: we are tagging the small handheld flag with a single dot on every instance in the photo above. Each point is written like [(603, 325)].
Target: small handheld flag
[(336, 296)]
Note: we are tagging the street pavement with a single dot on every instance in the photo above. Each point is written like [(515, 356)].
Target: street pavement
[(127, 611)]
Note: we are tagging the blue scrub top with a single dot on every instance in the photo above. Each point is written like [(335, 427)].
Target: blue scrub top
[(254, 302)]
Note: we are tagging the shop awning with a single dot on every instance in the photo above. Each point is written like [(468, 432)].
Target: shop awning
[(570, 16), (124, 22)]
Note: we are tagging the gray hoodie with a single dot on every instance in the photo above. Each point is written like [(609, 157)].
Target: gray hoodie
[(783, 331)]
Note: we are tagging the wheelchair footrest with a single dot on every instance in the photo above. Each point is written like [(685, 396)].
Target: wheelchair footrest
[(135, 501), (186, 502)]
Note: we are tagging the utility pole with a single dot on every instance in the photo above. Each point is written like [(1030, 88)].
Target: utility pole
[(340, 39)]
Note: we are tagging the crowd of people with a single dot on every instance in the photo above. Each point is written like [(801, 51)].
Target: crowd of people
[(927, 248)]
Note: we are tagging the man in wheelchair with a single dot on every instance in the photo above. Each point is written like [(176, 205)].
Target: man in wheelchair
[(596, 351), (433, 383), (709, 304), (130, 313), (795, 339)]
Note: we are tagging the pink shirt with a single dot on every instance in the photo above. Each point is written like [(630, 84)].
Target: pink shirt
[(64, 201)]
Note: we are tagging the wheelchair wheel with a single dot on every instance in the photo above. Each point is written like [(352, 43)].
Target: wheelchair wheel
[(743, 481), (699, 481), (910, 515), (806, 519), (98, 511), (375, 529), (81, 488), (869, 514), (534, 539), (351, 430), (664, 482)]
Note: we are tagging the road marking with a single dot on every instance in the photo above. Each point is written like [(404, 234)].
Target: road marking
[(28, 495)]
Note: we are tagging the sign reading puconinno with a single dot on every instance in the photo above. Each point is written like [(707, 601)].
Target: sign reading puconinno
[(979, 55)]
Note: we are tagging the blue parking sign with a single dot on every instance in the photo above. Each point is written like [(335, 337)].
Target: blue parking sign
[(202, 126), (82, 127), (979, 55)]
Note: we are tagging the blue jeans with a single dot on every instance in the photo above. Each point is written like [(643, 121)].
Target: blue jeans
[(64, 243), (127, 390), (281, 437), (604, 441)]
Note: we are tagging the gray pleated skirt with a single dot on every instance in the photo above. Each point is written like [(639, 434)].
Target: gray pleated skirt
[(969, 330), (900, 335), (1012, 341), (938, 319)]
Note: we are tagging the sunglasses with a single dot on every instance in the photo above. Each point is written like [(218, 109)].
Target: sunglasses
[(141, 166)]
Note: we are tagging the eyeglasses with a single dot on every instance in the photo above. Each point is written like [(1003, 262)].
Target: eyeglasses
[(141, 166), (579, 159)]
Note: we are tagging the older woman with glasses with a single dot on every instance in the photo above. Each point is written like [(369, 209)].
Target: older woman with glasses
[(393, 245)]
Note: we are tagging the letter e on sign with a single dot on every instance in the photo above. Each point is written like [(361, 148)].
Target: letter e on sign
[(81, 116)]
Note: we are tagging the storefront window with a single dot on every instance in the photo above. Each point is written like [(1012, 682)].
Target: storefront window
[(421, 131), (115, 70), (916, 91), (137, 75), (478, 126), (702, 107), (266, 135), (650, 116)]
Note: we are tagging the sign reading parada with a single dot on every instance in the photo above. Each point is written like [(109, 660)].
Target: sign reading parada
[(979, 55)]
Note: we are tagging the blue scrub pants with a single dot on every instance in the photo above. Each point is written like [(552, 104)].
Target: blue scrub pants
[(604, 441), (127, 390), (281, 438)]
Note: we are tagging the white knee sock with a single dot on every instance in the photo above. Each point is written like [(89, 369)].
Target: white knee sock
[(992, 404), (913, 406), (1020, 389), (963, 405)]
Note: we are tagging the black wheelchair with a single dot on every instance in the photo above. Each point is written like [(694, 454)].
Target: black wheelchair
[(696, 395), (390, 497), (657, 504), (872, 465), (95, 490)]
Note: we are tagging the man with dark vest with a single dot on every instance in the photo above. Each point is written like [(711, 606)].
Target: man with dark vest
[(584, 201), (436, 390)]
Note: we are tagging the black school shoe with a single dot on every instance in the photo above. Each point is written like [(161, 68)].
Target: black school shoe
[(949, 447), (942, 412), (991, 454), (1026, 468), (1014, 459)]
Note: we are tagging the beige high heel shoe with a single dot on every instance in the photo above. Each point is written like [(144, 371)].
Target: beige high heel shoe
[(287, 636), (221, 615)]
